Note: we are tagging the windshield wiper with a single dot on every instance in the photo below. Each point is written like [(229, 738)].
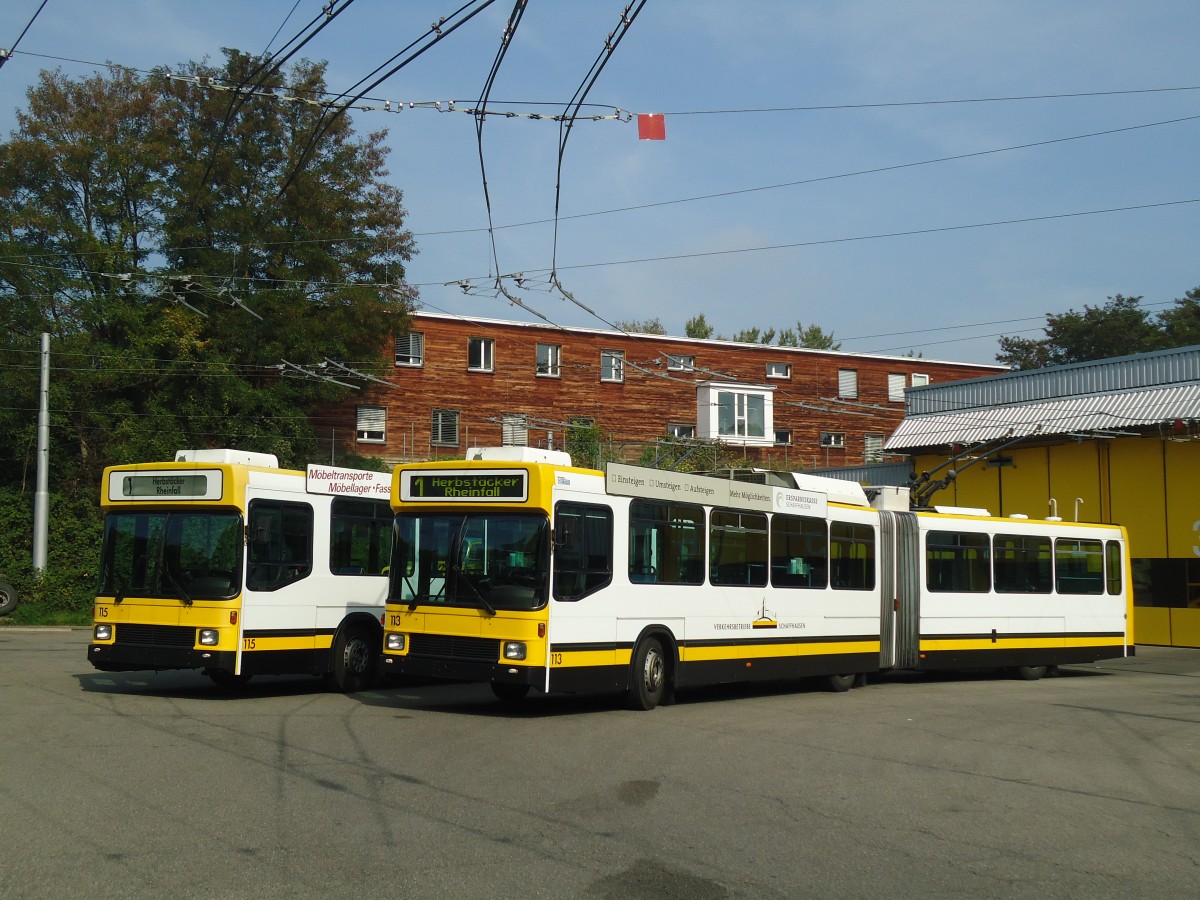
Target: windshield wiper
[(463, 576), (183, 595)]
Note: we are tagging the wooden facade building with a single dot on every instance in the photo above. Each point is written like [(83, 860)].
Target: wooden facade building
[(459, 382)]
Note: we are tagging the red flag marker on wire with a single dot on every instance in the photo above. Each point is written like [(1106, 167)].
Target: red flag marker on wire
[(652, 127)]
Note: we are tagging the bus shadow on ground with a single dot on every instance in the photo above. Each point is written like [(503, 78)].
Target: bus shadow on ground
[(188, 684)]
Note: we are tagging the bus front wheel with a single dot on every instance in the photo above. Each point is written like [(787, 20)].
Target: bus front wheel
[(839, 684), (648, 675), (1030, 673)]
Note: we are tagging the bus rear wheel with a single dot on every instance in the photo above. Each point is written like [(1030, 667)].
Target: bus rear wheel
[(355, 659), (1029, 673), (648, 675), (839, 684), (8, 598)]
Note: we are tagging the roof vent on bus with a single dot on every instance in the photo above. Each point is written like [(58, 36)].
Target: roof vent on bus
[(520, 454), (238, 457), (1018, 516)]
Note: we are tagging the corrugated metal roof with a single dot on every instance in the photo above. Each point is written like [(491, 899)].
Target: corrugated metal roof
[(1113, 411), (1124, 373)]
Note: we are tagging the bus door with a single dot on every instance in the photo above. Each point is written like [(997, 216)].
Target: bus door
[(899, 590), (279, 607)]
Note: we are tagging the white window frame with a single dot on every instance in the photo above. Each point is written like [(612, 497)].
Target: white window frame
[(918, 379), (779, 370), (370, 425), (612, 366), (833, 440), (548, 364), (848, 384), (783, 437), (681, 430), (743, 430), (414, 353), (441, 423), (481, 354), (680, 363)]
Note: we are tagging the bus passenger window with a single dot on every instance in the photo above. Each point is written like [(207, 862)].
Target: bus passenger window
[(738, 548), (851, 556), (583, 562), (957, 562), (666, 543), (799, 552), (360, 536), (1078, 567), (1021, 564)]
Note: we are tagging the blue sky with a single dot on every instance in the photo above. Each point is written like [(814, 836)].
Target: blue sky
[(890, 261)]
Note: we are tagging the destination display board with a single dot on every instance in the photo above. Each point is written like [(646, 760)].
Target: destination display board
[(347, 482), (656, 484), (194, 484), (466, 486)]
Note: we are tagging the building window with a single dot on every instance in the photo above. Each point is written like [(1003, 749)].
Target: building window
[(444, 428), (833, 439), (612, 365), (896, 387), (549, 360), (741, 415), (680, 363), (848, 384), (872, 448), (779, 370), (410, 349), (480, 354), (919, 380), (783, 437), (679, 430), (514, 430), (371, 424)]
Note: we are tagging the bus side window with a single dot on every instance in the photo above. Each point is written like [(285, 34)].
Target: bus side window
[(281, 544), (583, 557)]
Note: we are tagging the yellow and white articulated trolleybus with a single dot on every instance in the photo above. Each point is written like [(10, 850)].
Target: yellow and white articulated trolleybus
[(516, 569), (223, 562)]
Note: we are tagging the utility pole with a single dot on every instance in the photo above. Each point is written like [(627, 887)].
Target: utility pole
[(41, 497)]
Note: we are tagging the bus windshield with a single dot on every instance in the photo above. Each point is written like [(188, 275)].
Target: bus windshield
[(487, 560), (186, 555)]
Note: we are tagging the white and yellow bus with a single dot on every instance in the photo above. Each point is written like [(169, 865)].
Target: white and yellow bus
[(516, 569), (223, 562)]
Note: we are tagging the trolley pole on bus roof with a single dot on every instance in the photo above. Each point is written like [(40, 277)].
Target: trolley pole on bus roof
[(41, 497)]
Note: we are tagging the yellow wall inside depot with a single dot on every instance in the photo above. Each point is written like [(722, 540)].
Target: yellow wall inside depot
[(1182, 464), (1138, 492)]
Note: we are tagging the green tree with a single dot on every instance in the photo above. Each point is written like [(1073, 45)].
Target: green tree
[(813, 337), (690, 455), (647, 326), (1181, 325), (175, 278), (698, 327), (1117, 328)]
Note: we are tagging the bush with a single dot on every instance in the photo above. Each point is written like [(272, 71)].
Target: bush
[(65, 591)]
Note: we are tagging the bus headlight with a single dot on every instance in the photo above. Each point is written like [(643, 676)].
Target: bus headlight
[(514, 649), (102, 633), (394, 642), (209, 637)]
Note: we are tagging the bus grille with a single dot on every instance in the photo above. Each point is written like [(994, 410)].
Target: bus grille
[(442, 646), (156, 635)]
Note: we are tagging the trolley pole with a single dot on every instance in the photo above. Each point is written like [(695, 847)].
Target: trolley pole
[(41, 497)]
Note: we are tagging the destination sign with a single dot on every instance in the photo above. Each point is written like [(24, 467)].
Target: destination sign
[(466, 486), (163, 485)]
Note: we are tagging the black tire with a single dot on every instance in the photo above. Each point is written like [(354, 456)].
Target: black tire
[(647, 675), (509, 692), (355, 663), (8, 598), (226, 680), (1029, 673), (839, 684)]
